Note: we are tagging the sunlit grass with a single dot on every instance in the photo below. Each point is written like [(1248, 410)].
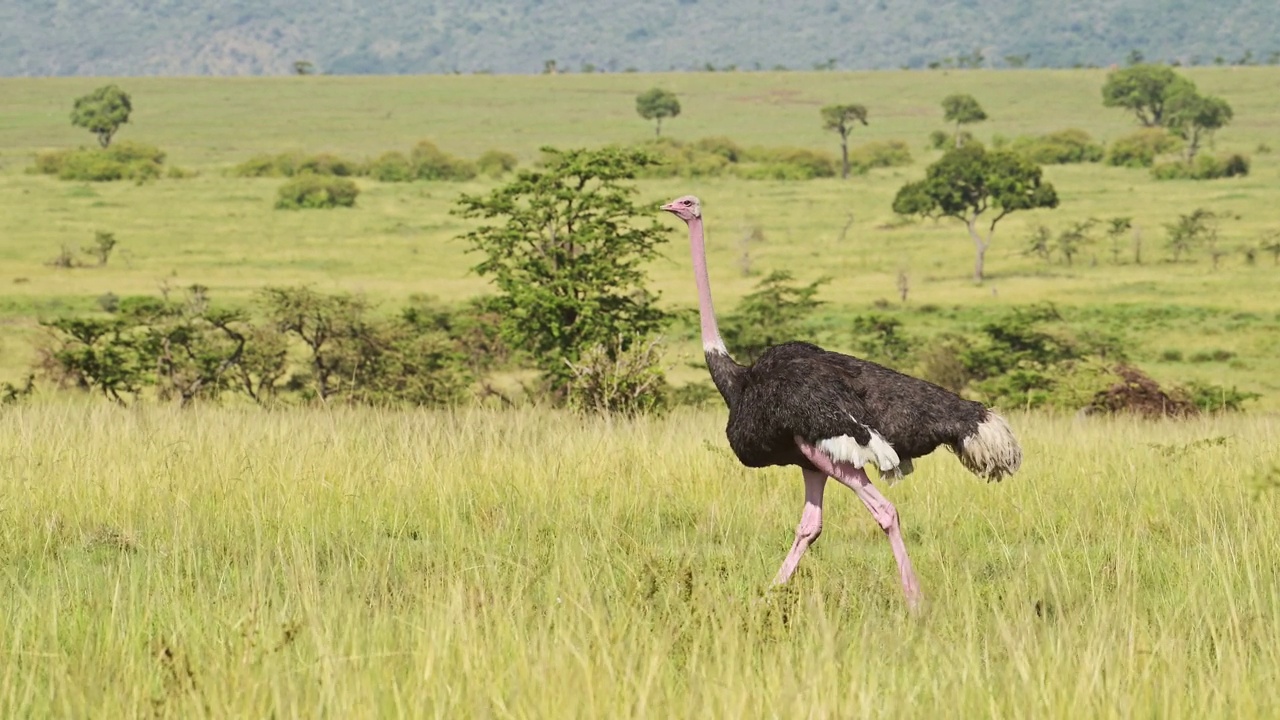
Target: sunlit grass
[(530, 564)]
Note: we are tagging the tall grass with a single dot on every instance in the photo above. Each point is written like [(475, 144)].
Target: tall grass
[(341, 563)]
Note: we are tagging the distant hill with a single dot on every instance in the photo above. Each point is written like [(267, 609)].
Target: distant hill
[(255, 37)]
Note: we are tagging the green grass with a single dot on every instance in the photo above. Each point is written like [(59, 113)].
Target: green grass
[(313, 563)]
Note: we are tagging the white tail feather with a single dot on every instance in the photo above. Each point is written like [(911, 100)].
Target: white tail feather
[(877, 452), (991, 451)]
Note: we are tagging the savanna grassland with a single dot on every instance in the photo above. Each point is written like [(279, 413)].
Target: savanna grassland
[(335, 563), (323, 561)]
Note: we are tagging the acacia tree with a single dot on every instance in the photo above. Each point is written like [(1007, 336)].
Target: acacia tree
[(962, 110), (567, 256), (102, 112), (842, 119), (969, 182), (1193, 116), (1145, 90), (656, 104)]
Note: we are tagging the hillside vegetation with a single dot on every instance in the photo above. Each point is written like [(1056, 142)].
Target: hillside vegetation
[(1189, 321), (199, 37)]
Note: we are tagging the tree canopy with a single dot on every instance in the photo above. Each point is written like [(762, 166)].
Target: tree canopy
[(568, 256), (1192, 116), (842, 119), (656, 104), (968, 182), (1145, 90), (102, 112), (962, 109)]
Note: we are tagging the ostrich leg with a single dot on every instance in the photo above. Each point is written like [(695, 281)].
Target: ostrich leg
[(810, 526), (885, 514)]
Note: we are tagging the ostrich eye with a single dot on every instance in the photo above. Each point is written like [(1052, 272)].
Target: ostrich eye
[(687, 202)]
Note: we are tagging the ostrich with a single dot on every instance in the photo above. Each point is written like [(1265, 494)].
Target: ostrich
[(832, 415)]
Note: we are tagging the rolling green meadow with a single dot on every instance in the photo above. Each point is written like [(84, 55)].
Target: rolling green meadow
[(224, 560)]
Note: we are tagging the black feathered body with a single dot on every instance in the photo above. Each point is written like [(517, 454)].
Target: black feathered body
[(800, 389)]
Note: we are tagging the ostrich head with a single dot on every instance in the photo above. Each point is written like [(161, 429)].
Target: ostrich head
[(686, 208)]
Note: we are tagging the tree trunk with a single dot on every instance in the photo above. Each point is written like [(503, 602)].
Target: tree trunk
[(657, 128), (957, 133), (981, 246), (844, 157)]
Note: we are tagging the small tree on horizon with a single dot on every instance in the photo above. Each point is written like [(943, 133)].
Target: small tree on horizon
[(657, 104), (968, 182), (102, 112), (1145, 90), (962, 110), (842, 119), (1192, 116)]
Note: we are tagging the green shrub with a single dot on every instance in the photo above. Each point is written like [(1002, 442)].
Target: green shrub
[(887, 153), (788, 163), (1059, 148), (1204, 167), (943, 140), (431, 163), (623, 380), (1141, 148), (327, 164), (496, 163), (391, 167), (677, 159), (309, 191), (265, 165), (288, 164), (722, 146), (121, 161)]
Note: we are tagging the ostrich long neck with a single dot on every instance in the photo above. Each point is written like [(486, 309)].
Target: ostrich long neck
[(724, 371), (711, 341)]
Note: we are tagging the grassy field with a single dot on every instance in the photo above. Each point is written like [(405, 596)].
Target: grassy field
[(352, 564), (319, 562), (222, 232)]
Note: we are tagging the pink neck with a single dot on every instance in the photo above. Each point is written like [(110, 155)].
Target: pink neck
[(711, 341)]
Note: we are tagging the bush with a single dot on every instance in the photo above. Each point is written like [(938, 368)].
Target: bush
[(121, 161), (788, 163), (1141, 148), (316, 191), (264, 165), (431, 163), (722, 146), (326, 164), (289, 164), (496, 163), (943, 140), (391, 167), (777, 311), (1059, 148), (1204, 167), (889, 153), (622, 380)]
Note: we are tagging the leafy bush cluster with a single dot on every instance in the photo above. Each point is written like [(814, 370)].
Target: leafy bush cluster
[(425, 161), (720, 156), (1204, 167), (309, 191), (1029, 358), (1059, 148), (121, 161), (189, 349), (1141, 148)]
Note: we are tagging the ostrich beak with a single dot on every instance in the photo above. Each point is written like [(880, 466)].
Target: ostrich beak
[(669, 207)]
